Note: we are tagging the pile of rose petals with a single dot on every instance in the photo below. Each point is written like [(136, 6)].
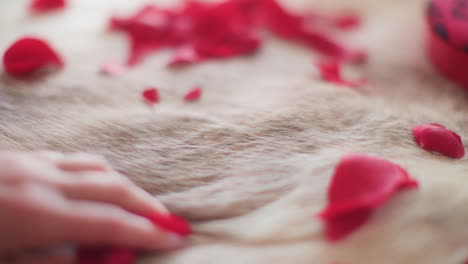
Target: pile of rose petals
[(170, 223), (200, 31)]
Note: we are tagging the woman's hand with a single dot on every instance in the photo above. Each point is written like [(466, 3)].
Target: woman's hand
[(49, 198)]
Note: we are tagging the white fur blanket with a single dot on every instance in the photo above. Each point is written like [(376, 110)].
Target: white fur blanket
[(249, 164)]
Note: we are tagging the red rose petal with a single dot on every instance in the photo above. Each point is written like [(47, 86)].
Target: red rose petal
[(113, 68), (331, 72), (151, 95), (360, 185), (194, 94), (40, 6), (201, 31), (170, 223), (437, 138), (28, 55)]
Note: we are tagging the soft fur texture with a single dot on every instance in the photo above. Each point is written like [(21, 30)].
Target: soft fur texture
[(250, 163)]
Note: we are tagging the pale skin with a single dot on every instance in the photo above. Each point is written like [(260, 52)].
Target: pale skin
[(50, 199)]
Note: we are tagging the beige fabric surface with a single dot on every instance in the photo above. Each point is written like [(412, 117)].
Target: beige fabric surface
[(249, 164)]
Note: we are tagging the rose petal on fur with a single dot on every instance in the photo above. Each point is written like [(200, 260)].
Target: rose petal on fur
[(113, 68), (40, 6), (437, 138), (28, 55), (193, 95), (360, 185), (330, 71), (151, 95), (200, 31)]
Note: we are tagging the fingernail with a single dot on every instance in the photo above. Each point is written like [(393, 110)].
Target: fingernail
[(175, 240)]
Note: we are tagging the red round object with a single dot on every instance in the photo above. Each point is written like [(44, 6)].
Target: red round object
[(28, 55), (448, 38)]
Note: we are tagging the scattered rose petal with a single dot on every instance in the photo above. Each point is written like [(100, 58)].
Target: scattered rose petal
[(28, 55), (40, 6), (151, 95), (113, 68), (194, 94), (331, 72), (200, 31), (346, 22), (437, 138), (170, 223), (360, 185)]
